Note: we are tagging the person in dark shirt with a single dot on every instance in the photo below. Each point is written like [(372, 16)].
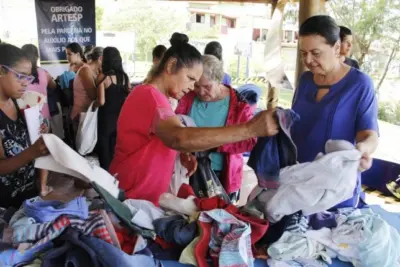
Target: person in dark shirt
[(346, 38)]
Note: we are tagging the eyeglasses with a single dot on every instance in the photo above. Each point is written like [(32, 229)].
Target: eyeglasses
[(20, 77)]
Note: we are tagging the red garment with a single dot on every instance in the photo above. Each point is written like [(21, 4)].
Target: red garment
[(185, 191), (239, 112), (142, 163), (164, 244), (126, 240), (206, 204), (202, 247), (259, 227)]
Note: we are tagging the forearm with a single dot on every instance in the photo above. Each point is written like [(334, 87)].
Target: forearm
[(12, 164), (369, 139), (190, 139), (43, 181)]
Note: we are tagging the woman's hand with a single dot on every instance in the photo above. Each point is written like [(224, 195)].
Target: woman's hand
[(44, 128), (189, 161), (39, 148), (366, 160), (264, 124)]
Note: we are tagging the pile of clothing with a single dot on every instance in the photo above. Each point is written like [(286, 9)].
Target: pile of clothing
[(298, 200), (55, 233), (287, 221)]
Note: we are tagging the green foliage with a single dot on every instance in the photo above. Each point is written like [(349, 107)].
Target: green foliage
[(99, 17), (232, 70), (206, 33), (370, 20), (389, 112), (152, 21)]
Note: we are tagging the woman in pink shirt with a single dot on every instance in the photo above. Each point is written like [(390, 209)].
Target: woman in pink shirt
[(42, 81), (149, 132)]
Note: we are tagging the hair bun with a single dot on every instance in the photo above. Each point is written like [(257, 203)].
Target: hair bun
[(178, 39)]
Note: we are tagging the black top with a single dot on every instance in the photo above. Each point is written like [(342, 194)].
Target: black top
[(19, 185), (351, 62), (115, 96)]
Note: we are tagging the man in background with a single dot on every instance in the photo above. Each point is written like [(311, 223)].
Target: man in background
[(346, 38)]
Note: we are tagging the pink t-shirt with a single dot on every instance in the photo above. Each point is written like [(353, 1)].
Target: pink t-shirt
[(41, 93), (82, 100), (142, 163)]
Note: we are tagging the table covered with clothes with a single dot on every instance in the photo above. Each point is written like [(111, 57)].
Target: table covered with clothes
[(287, 220)]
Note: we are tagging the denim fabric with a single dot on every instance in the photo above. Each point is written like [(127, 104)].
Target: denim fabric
[(274, 153)]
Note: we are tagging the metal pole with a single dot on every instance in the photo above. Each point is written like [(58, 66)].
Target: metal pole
[(247, 66), (238, 67)]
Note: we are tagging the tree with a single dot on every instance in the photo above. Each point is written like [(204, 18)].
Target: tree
[(152, 21), (99, 17), (370, 21), (392, 55)]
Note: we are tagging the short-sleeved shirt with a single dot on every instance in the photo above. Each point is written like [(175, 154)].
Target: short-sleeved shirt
[(348, 108), (211, 114), (40, 88), (142, 163), (227, 80), (19, 185), (351, 62)]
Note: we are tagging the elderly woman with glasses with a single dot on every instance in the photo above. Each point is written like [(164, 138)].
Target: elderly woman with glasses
[(213, 104), (17, 172)]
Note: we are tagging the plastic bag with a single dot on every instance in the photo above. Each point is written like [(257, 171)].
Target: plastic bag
[(86, 137), (204, 181)]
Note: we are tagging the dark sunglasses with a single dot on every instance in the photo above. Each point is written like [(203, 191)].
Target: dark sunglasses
[(20, 77)]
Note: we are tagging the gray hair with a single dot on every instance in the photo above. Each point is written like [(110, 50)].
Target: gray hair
[(213, 68)]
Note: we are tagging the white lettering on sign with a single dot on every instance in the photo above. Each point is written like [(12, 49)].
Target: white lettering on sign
[(66, 9), (69, 31), (67, 25), (66, 17), (79, 39), (47, 31)]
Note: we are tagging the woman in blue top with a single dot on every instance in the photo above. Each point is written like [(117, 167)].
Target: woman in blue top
[(334, 100)]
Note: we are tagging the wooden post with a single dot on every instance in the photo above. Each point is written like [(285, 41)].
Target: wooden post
[(274, 3), (307, 9)]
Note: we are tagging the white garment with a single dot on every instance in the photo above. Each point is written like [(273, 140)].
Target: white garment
[(316, 186), (180, 205), (144, 212), (292, 246), (297, 263), (65, 160), (380, 244), (342, 250)]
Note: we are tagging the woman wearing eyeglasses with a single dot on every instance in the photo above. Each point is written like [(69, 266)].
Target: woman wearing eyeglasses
[(17, 172)]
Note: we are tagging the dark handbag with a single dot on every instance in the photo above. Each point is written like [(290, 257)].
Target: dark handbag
[(204, 181)]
